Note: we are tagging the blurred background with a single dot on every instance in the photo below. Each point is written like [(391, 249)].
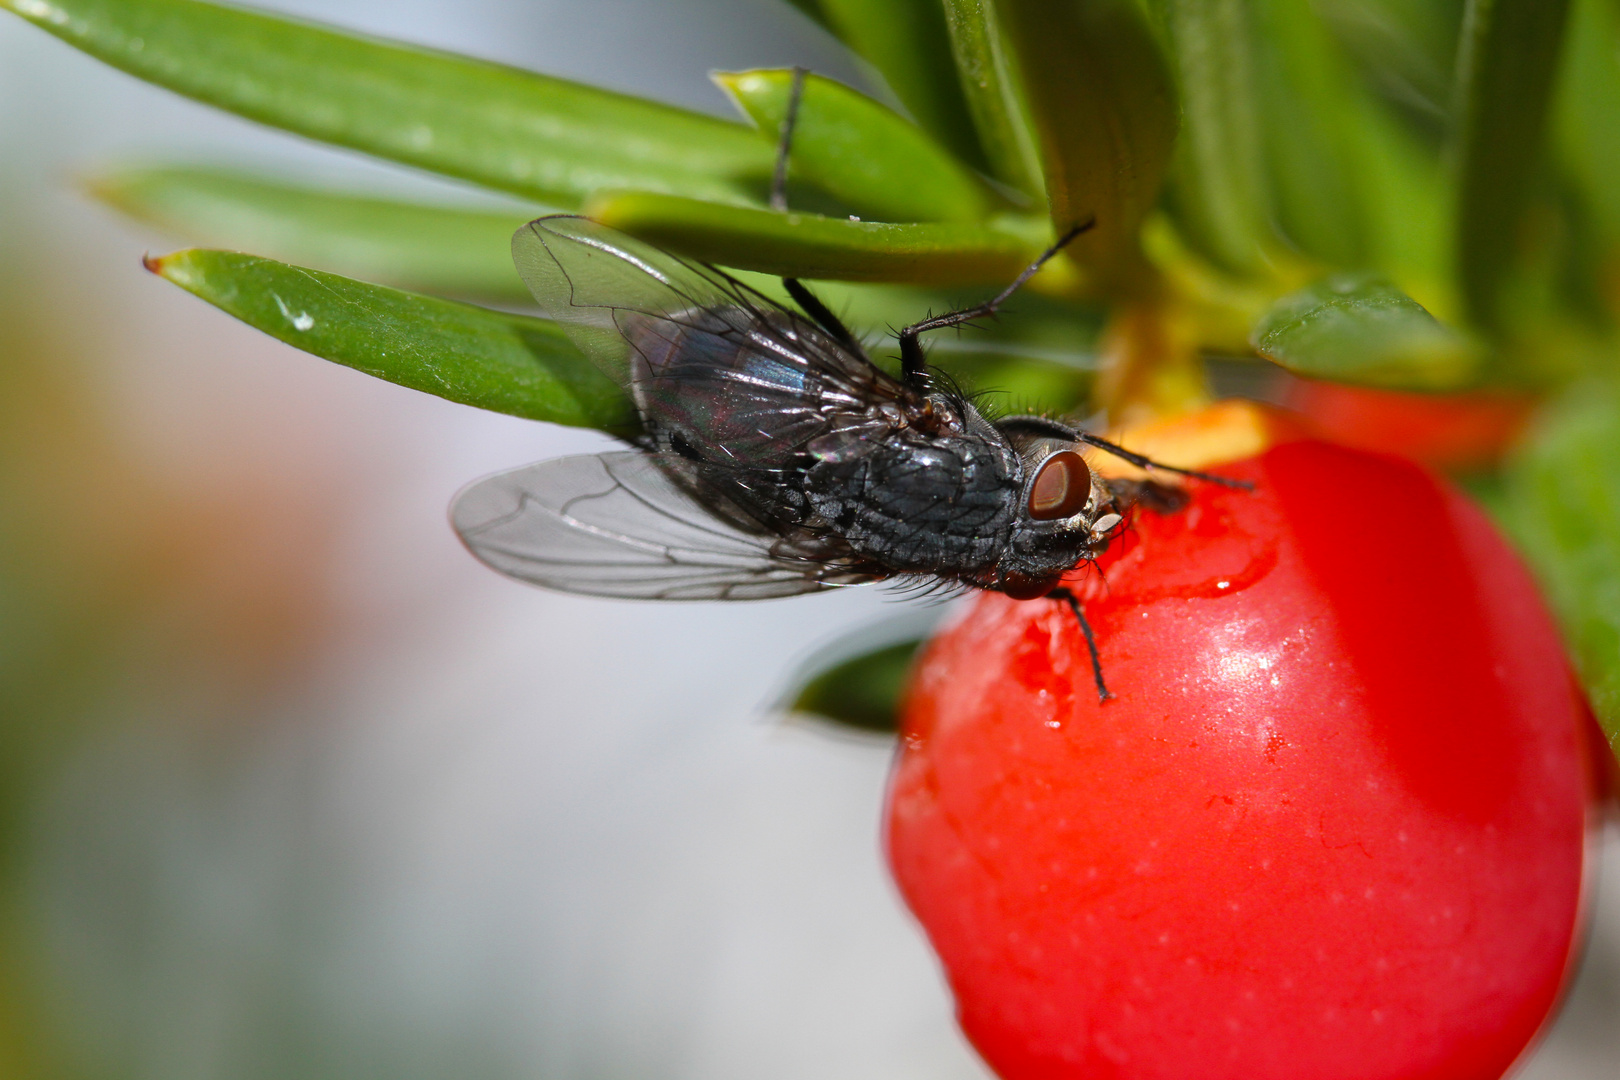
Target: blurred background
[(291, 786)]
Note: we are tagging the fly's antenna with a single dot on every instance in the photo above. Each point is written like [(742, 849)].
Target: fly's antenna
[(914, 366), (785, 145), (1149, 464), (1041, 427)]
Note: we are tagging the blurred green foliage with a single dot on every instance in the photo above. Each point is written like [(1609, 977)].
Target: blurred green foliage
[(450, 250), (860, 692), (124, 593), (1359, 328), (1563, 502)]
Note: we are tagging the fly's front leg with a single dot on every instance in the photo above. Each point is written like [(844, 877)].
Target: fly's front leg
[(784, 145), (1160, 498), (1066, 596), (812, 306), (914, 365), (808, 302)]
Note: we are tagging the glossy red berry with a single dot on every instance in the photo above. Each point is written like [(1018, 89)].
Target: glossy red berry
[(1332, 826), (1466, 431)]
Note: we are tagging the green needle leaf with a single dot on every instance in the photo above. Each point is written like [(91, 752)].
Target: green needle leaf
[(1563, 495), (811, 246), (1105, 111), (906, 41), (1314, 116), (546, 139), (1588, 103), (1508, 57), (432, 248), (995, 96), (812, 8), (1276, 134), (507, 363), (1219, 185), (1361, 329), (861, 692), (859, 151), (1406, 53)]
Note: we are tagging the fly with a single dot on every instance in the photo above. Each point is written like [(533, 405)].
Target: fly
[(775, 458)]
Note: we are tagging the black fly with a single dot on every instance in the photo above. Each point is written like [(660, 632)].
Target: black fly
[(776, 458)]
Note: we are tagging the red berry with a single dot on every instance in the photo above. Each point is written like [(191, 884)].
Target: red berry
[(1333, 825), (1449, 431)]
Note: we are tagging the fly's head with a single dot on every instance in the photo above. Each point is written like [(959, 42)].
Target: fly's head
[(1066, 514)]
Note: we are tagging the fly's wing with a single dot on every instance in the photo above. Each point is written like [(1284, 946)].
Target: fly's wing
[(620, 525), (700, 352), (589, 279), (603, 286)]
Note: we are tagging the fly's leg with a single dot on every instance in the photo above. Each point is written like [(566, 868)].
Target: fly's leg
[(914, 365), (785, 145), (813, 307), (1159, 498), (1063, 594), (1041, 427), (807, 300)]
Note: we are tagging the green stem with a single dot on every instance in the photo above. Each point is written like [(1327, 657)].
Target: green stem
[(1151, 363)]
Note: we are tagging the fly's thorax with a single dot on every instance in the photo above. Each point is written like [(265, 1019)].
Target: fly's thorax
[(941, 504)]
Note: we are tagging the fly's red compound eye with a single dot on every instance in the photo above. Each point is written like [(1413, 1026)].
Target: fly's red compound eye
[(1061, 487)]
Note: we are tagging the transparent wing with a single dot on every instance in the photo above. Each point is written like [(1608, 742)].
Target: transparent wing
[(699, 351), (620, 525), (606, 288)]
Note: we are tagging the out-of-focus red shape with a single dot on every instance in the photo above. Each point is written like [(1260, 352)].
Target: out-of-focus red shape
[(1455, 432), (1332, 826)]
